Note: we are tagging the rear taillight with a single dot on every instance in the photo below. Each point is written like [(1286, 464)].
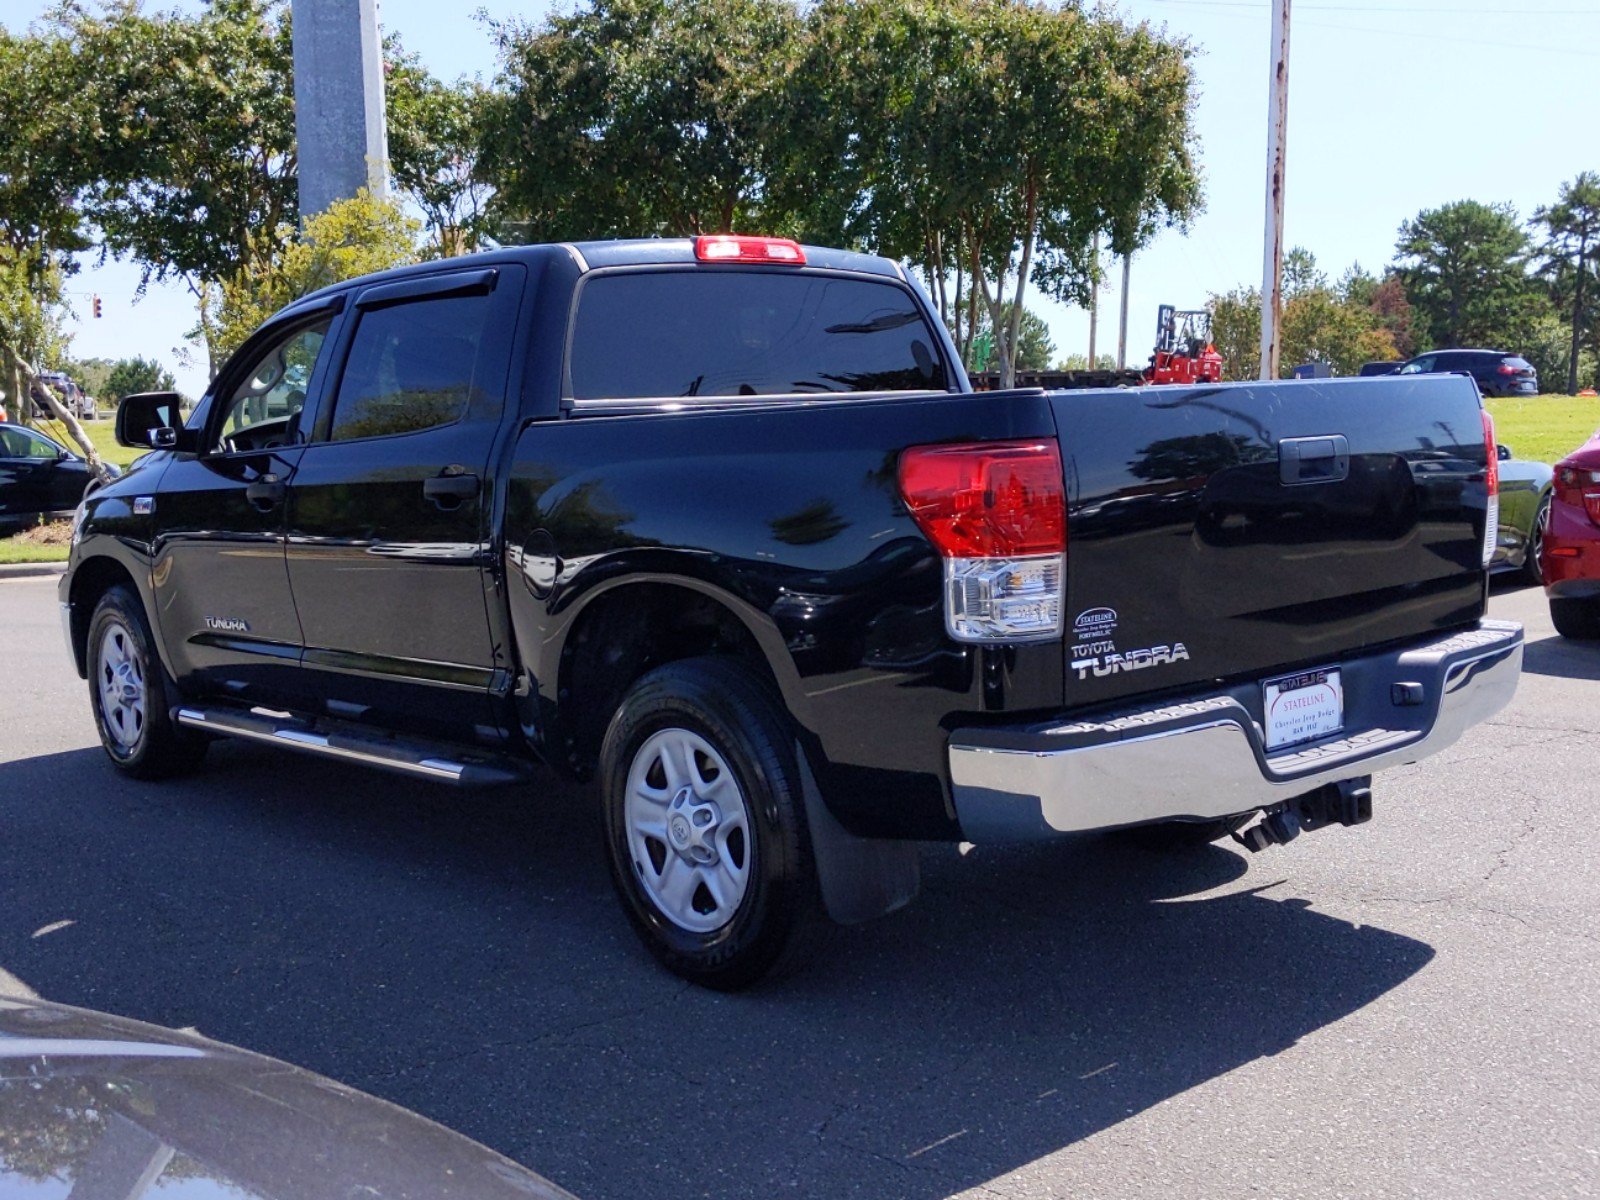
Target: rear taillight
[(1506, 369), (736, 248), (1491, 481), (997, 514), (1579, 487)]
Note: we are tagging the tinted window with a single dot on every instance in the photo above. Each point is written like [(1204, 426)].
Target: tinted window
[(411, 366), (1520, 364), (19, 443), (274, 393), (722, 333)]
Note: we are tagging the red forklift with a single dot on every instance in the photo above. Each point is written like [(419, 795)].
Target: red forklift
[(1184, 350)]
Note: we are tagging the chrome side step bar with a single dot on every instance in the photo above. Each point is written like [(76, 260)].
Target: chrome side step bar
[(420, 760)]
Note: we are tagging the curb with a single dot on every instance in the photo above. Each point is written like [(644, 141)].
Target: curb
[(31, 570)]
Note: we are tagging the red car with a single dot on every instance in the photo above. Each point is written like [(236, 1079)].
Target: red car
[(1571, 555)]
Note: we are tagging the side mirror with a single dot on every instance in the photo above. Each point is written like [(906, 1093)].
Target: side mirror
[(1504, 452), (150, 421)]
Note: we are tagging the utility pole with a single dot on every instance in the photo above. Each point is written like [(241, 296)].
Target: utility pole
[(1277, 129), (1122, 322), (338, 102), (1094, 298)]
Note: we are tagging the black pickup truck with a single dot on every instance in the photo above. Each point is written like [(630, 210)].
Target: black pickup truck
[(719, 523)]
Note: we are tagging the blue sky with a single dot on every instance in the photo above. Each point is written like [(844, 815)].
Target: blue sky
[(1395, 105)]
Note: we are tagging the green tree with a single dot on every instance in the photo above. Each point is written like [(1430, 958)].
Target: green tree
[(988, 141), (1464, 267), (353, 237), (434, 129), (1035, 347), (635, 117), (1548, 348), (1320, 324), (1301, 273), (1571, 253), (191, 127), (1236, 332), (130, 376)]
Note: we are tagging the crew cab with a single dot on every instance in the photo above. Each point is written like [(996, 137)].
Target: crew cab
[(719, 524)]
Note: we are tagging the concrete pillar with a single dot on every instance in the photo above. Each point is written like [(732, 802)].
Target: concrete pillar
[(338, 101)]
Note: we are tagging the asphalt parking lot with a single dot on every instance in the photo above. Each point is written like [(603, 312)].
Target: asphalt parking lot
[(1407, 1009)]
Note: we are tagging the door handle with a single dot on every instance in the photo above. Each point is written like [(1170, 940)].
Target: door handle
[(266, 493), (448, 491)]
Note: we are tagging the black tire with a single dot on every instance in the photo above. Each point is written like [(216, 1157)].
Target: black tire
[(778, 921), (1184, 835), (1577, 619), (129, 695), (1531, 570)]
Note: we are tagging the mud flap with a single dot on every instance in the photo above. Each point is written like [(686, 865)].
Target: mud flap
[(861, 878)]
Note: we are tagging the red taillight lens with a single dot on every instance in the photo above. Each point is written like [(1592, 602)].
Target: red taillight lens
[(1579, 487), (1506, 369), (1492, 449), (736, 248), (987, 499)]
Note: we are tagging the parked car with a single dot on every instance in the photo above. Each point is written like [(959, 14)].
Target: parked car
[(1525, 490), (72, 396), (97, 1105), (719, 522), (1496, 372), (1571, 550), (38, 475)]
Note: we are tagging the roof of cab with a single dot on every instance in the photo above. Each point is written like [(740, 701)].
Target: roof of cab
[(632, 252)]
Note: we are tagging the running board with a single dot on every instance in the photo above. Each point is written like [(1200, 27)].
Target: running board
[(420, 760)]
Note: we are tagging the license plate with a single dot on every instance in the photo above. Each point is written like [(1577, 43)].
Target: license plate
[(1303, 707)]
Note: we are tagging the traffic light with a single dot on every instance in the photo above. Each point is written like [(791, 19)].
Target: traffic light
[(97, 308)]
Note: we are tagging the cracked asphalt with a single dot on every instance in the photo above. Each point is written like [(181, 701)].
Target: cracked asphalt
[(1411, 1008)]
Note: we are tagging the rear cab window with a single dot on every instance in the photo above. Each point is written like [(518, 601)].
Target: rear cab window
[(669, 334)]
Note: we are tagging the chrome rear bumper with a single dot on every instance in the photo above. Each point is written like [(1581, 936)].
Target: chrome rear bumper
[(1206, 758)]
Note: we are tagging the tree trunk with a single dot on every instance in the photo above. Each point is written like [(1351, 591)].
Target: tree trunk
[(1014, 326), (1577, 322), (41, 391)]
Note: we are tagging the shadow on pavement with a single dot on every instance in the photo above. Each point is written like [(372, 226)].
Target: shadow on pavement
[(462, 956), (1562, 657)]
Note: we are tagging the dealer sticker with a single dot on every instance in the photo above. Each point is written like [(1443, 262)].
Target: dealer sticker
[(1300, 708)]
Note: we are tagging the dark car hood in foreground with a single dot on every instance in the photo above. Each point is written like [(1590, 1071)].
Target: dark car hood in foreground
[(108, 1107)]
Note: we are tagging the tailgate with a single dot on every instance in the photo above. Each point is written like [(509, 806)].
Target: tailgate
[(1244, 530)]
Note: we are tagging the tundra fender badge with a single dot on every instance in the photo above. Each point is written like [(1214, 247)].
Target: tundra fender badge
[(228, 624), (1132, 660)]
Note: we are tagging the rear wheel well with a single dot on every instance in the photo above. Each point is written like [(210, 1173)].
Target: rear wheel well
[(92, 579), (628, 632)]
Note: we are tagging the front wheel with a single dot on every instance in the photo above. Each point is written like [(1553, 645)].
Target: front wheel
[(1577, 619), (127, 692), (705, 825)]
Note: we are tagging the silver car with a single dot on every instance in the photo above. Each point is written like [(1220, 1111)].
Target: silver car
[(1524, 513), (108, 1107)]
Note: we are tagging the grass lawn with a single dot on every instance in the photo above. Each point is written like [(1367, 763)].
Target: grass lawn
[(1544, 428), (102, 433), (41, 544)]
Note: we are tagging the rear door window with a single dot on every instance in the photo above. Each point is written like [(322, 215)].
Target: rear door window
[(659, 334), (412, 366)]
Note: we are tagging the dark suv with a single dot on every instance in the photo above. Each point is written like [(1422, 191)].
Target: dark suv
[(1497, 373)]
